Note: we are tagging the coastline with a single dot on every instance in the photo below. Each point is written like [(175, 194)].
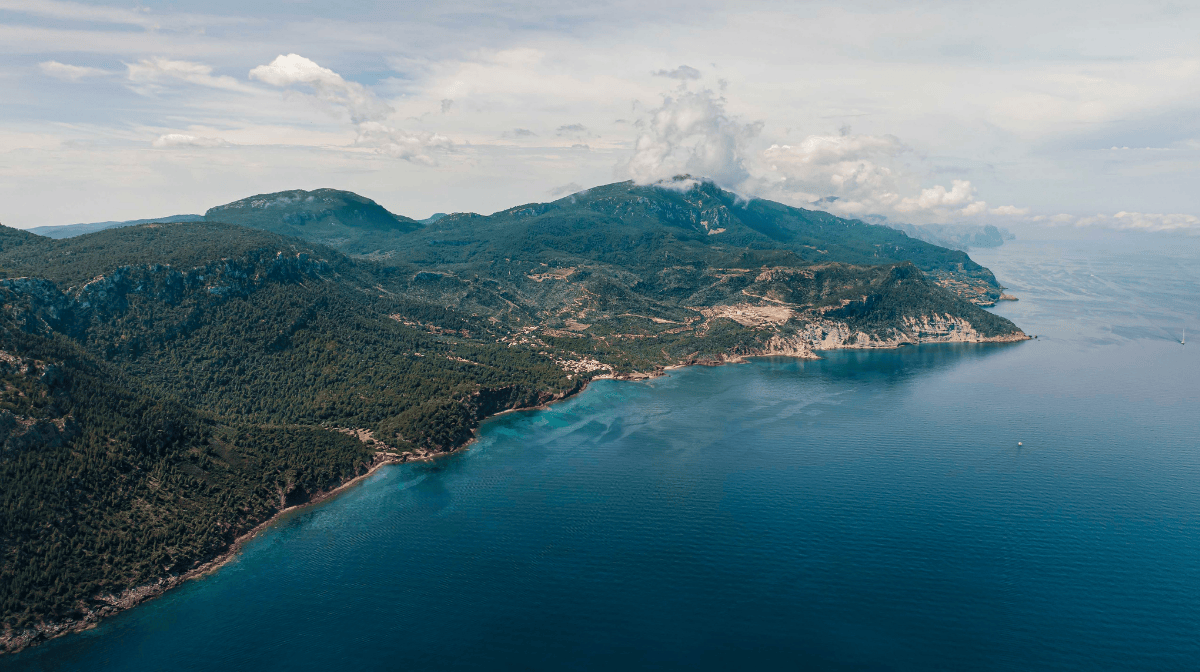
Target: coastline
[(13, 641)]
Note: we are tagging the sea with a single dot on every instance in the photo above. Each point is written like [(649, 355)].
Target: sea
[(1024, 506)]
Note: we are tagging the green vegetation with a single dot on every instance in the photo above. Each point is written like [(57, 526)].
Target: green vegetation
[(167, 387), (339, 218)]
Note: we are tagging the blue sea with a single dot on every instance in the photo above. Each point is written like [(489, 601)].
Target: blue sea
[(1028, 506)]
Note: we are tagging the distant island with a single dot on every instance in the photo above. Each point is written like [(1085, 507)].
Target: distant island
[(171, 386)]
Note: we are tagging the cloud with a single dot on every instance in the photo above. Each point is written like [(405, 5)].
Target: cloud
[(859, 175), (151, 71), (522, 133), (185, 140), (937, 196), (285, 71), (683, 72), (400, 144), (569, 188), (976, 208), (863, 171), (75, 11), (572, 129), (691, 133), (366, 111), (72, 73)]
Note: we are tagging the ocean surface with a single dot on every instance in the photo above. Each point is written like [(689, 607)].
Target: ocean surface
[(869, 511)]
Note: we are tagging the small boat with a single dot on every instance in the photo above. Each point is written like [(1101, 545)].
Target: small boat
[(1019, 444)]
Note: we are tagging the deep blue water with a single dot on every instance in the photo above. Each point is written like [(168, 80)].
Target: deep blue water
[(869, 511)]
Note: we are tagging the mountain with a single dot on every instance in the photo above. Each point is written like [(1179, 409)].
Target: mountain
[(69, 230), (644, 228), (170, 386), (615, 223), (954, 236), (340, 219)]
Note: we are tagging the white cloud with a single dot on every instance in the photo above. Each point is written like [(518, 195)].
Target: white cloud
[(72, 73), (366, 111), (862, 171), (77, 11), (683, 72), (960, 192), (399, 144), (1009, 211), (691, 133), (185, 140), (976, 208), (285, 71), (857, 175), (152, 71)]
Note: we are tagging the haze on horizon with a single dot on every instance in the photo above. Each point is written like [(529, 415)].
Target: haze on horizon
[(1026, 115)]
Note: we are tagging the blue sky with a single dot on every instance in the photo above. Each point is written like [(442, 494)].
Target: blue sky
[(1026, 114)]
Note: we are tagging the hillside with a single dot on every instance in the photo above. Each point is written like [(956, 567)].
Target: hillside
[(170, 386), (615, 224), (69, 230), (340, 219)]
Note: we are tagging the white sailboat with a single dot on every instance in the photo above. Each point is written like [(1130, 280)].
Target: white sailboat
[(1183, 341)]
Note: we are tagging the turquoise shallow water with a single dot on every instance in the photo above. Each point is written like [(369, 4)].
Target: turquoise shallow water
[(869, 511)]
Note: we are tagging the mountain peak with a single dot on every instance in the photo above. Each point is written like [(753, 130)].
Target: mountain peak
[(340, 219)]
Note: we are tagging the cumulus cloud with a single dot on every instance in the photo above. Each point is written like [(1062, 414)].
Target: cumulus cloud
[(285, 71), (366, 111), (186, 140), (683, 72), (937, 196), (71, 73), (572, 129), (976, 208), (862, 171), (150, 72), (691, 133), (844, 173), (859, 175)]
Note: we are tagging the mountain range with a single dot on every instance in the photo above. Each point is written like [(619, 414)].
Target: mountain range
[(169, 386)]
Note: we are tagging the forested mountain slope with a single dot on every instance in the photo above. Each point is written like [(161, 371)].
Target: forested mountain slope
[(339, 218), (70, 230)]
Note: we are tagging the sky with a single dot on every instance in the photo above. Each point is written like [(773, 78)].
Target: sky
[(1021, 114)]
